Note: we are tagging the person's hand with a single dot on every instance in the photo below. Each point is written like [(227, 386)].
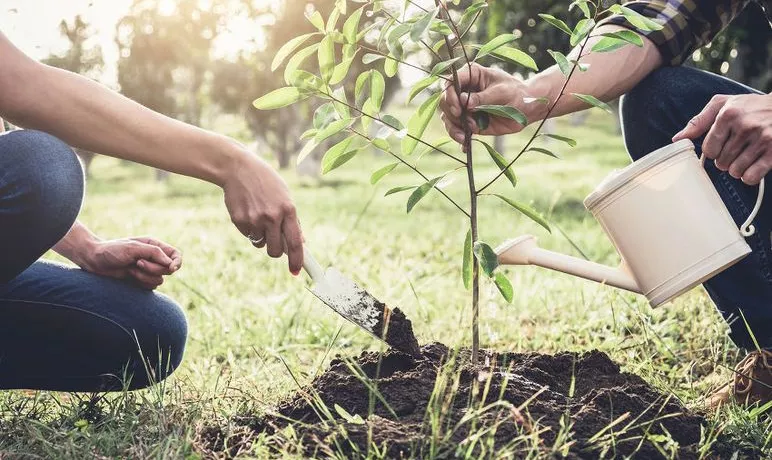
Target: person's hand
[(143, 260), (260, 206), (739, 134), (483, 86)]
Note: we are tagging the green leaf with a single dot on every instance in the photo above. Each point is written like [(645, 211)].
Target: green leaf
[(503, 111), (338, 154), (442, 66), (368, 109), (468, 260), (437, 143), (370, 58), (390, 67), (567, 140), (421, 192), (544, 151), (487, 257), (593, 101), (439, 26), (438, 46), (323, 115), (504, 286), (514, 56), (500, 161), (495, 43), (281, 97), (332, 21), (392, 122), (527, 210), (309, 133), (288, 48), (316, 20), (612, 41), (420, 26), (470, 14), (582, 4), (298, 59), (306, 80), (340, 71), (556, 22), (326, 57), (562, 61), (341, 5), (636, 19), (627, 35), (306, 150), (349, 51), (362, 80), (382, 144), (341, 107), (351, 25), (333, 128), (384, 31), (421, 85), (377, 88), (581, 30), (363, 33), (399, 189), (393, 39), (418, 123), (382, 172)]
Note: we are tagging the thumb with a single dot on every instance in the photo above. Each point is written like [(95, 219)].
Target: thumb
[(484, 97), (149, 252), (701, 122)]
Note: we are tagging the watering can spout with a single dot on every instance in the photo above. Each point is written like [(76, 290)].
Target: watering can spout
[(524, 250)]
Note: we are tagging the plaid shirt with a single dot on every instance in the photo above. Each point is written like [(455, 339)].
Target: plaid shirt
[(688, 24)]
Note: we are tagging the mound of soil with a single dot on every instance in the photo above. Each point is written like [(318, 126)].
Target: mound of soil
[(441, 405)]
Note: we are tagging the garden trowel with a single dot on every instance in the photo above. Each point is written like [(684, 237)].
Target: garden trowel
[(358, 306)]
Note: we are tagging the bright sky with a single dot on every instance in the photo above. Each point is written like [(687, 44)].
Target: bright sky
[(33, 25)]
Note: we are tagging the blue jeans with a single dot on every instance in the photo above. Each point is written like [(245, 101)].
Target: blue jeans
[(652, 113), (63, 328)]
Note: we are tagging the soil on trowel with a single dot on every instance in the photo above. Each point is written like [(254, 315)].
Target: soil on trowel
[(512, 405), (397, 330)]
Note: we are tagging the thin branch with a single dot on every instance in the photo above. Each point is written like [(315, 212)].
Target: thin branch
[(379, 120), (428, 47), (386, 55), (417, 171), (546, 117)]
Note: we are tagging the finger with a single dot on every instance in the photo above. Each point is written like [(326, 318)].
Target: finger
[(454, 131), (731, 149), (168, 249), (746, 158), (152, 268), (757, 170), (449, 103), (143, 279), (273, 240), (149, 252), (701, 123), (293, 239), (715, 140)]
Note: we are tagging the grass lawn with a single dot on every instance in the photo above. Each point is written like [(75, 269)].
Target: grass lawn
[(251, 322)]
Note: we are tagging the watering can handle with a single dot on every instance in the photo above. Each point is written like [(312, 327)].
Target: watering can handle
[(747, 229)]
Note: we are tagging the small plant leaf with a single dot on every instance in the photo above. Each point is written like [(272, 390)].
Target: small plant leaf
[(341, 107), (382, 172), (612, 41), (504, 286), (369, 110), (527, 210), (281, 97), (306, 150), (390, 67), (500, 161), (593, 101), (418, 123), (435, 144), (332, 20), (399, 189), (583, 27), (514, 56), (326, 57), (351, 25), (338, 154), (323, 115), (468, 260), (333, 128), (494, 44), (421, 85), (544, 151), (582, 4), (442, 66), (439, 26), (562, 61), (362, 80), (487, 257), (288, 48), (567, 140), (306, 80), (369, 58), (421, 192), (296, 60), (470, 14), (636, 19), (422, 24), (308, 134), (382, 144), (377, 88), (392, 122), (317, 20), (627, 35), (503, 111), (340, 71), (556, 22)]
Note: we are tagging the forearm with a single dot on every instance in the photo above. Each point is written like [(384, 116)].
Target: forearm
[(609, 75), (88, 115), (77, 245)]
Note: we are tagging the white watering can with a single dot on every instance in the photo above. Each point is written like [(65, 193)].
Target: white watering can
[(667, 221)]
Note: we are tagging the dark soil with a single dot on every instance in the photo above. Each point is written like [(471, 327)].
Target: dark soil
[(580, 401), (398, 330)]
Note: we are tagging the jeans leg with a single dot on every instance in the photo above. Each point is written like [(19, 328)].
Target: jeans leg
[(65, 329), (656, 109), (41, 190)]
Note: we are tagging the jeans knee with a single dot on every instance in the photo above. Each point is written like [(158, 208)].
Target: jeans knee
[(50, 182)]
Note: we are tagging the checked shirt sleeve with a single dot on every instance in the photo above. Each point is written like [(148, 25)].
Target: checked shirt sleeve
[(687, 24)]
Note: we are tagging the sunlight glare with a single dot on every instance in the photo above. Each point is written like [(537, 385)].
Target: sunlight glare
[(167, 7)]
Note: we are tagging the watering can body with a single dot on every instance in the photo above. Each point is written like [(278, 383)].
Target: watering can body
[(667, 221)]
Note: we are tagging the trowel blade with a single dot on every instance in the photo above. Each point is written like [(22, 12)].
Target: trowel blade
[(350, 301)]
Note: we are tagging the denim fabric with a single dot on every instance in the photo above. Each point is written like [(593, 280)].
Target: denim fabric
[(652, 113), (63, 328)]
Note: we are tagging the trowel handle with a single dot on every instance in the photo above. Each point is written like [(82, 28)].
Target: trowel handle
[(312, 267)]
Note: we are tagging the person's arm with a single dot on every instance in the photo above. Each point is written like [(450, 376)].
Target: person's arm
[(88, 115)]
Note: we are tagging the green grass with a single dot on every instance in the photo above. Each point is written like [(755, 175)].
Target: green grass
[(247, 314)]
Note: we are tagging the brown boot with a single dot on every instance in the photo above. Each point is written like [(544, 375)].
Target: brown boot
[(752, 382)]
